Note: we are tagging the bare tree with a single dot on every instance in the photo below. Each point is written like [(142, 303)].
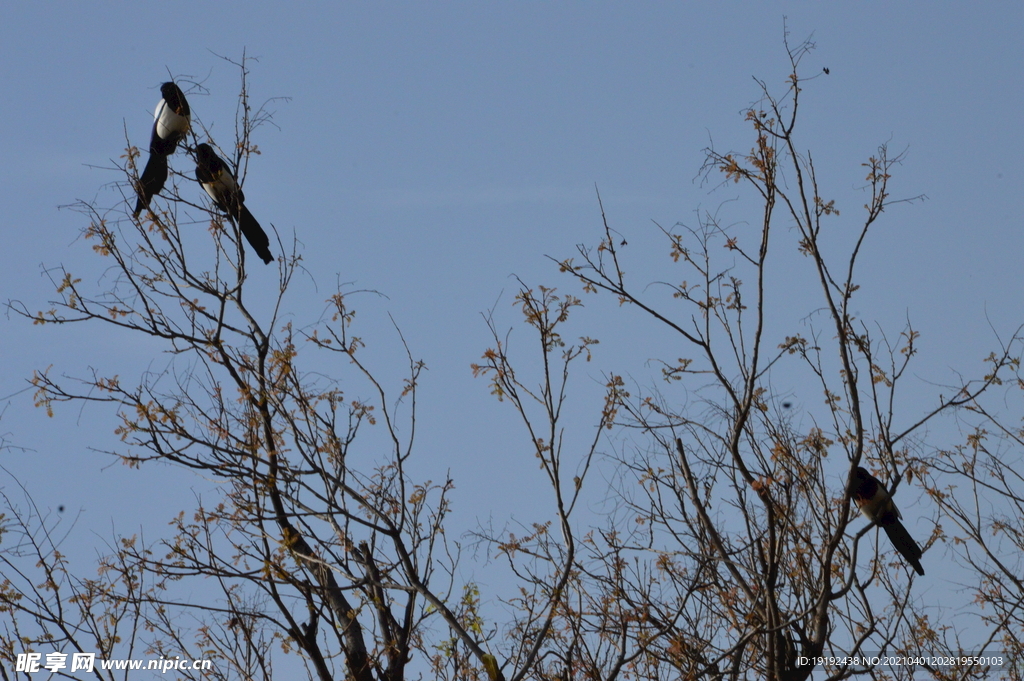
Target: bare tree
[(345, 565), (728, 546), (736, 551)]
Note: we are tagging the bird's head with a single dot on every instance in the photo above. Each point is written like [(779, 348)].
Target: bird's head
[(205, 154), (862, 485), (175, 98)]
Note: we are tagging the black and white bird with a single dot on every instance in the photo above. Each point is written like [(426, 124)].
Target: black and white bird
[(170, 125), (219, 183), (876, 504)]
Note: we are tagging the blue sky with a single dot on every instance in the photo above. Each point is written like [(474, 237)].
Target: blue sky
[(432, 151)]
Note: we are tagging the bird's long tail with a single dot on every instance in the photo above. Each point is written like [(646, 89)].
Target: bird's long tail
[(905, 544), (152, 181), (254, 234)]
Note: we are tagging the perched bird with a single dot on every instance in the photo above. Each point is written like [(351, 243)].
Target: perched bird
[(170, 125), (876, 504), (219, 183)]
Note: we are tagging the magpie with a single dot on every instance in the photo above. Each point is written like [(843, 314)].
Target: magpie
[(170, 125), (876, 504), (220, 184)]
